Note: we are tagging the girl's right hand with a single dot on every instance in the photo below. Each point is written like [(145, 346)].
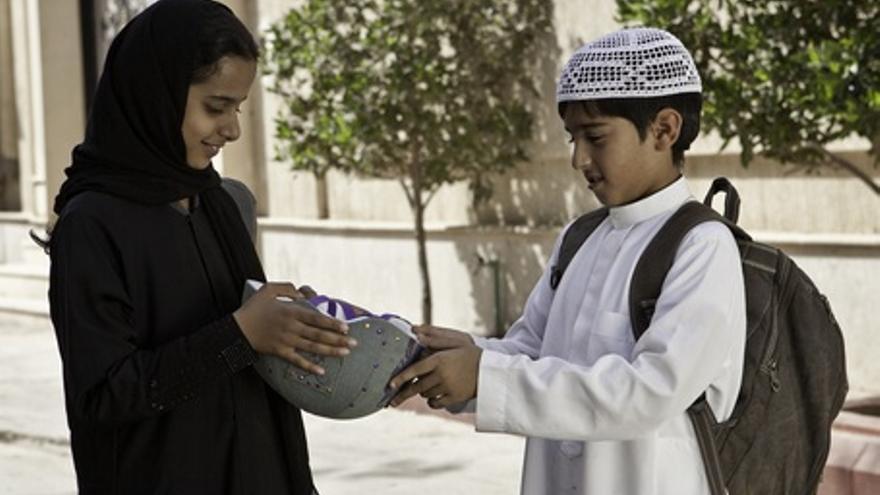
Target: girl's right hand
[(282, 329)]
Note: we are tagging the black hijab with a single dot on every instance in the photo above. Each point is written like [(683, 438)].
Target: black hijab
[(134, 147)]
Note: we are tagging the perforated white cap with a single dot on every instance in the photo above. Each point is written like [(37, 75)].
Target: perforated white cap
[(630, 63)]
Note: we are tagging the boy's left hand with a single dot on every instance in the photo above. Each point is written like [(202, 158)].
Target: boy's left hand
[(444, 378)]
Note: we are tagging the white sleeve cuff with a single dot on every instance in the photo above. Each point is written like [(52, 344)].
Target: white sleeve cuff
[(492, 388)]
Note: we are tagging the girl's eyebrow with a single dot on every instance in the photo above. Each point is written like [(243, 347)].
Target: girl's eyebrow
[(227, 99)]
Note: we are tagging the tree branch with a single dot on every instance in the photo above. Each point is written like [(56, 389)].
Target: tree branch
[(431, 194), (409, 194), (846, 165)]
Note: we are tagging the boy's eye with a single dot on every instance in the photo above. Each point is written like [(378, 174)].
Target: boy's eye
[(213, 109)]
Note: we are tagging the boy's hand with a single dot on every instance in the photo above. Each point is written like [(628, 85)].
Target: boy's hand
[(439, 338), (274, 327), (445, 378)]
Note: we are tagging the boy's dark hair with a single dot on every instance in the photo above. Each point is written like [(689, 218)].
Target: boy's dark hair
[(221, 34), (642, 111)]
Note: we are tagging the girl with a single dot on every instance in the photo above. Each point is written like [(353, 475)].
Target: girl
[(149, 258)]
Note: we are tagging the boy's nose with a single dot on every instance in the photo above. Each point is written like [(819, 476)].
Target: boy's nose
[(581, 161), (580, 157)]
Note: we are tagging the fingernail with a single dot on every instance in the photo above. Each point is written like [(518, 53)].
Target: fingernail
[(393, 385), (344, 328), (320, 371), (344, 352), (352, 342)]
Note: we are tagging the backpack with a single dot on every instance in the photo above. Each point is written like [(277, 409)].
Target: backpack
[(794, 376)]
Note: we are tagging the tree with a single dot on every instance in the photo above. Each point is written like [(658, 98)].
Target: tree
[(428, 93), (783, 77)]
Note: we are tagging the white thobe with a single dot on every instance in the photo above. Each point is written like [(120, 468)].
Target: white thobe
[(605, 415)]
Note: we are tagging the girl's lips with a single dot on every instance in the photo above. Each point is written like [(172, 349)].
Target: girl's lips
[(212, 149)]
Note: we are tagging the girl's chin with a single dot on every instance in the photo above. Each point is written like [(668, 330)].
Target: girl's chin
[(199, 164)]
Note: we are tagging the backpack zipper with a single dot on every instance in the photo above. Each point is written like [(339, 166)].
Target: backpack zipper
[(769, 364)]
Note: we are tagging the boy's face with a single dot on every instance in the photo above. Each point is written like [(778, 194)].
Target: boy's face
[(619, 167)]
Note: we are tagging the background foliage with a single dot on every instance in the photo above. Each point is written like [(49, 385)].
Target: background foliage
[(427, 93), (783, 78)]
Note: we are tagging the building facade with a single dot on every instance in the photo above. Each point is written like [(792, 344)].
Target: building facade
[(352, 237)]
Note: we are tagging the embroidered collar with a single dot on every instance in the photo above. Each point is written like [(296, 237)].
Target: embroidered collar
[(668, 198)]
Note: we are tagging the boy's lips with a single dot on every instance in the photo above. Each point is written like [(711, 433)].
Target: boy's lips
[(594, 180)]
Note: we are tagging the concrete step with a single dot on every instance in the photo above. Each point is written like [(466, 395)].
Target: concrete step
[(24, 313), (23, 282)]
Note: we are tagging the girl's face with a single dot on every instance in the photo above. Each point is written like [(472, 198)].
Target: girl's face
[(212, 108)]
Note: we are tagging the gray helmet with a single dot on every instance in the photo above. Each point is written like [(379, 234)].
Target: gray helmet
[(352, 386)]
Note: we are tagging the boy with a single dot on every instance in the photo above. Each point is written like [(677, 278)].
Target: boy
[(606, 414)]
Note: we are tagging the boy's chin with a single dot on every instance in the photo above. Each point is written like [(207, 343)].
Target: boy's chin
[(611, 201)]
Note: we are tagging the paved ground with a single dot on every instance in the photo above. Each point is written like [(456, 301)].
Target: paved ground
[(418, 453)]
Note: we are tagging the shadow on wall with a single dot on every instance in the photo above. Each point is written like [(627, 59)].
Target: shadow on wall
[(507, 260), (503, 266)]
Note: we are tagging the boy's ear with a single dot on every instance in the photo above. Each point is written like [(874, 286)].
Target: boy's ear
[(666, 128)]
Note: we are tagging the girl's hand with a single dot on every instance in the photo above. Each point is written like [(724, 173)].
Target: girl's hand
[(439, 338), (282, 329)]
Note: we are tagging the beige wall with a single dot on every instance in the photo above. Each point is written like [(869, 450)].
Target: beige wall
[(828, 222), (49, 95), (365, 251), (374, 264), (9, 182)]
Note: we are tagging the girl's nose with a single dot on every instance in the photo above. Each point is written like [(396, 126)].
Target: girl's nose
[(231, 130)]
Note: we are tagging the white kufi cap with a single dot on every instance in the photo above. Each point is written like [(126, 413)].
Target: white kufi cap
[(630, 63)]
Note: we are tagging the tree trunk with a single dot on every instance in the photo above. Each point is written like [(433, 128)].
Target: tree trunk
[(846, 165), (419, 211), (418, 203), (323, 203)]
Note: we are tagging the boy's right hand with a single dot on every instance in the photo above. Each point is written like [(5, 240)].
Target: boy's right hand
[(282, 329)]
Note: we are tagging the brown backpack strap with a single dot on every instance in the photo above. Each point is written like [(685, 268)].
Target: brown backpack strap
[(574, 237), (648, 277), (703, 420), (657, 259), (647, 281)]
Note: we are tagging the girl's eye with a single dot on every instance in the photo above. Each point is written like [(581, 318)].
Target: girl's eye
[(214, 110), (595, 138)]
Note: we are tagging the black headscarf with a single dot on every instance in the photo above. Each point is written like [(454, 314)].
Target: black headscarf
[(134, 146)]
